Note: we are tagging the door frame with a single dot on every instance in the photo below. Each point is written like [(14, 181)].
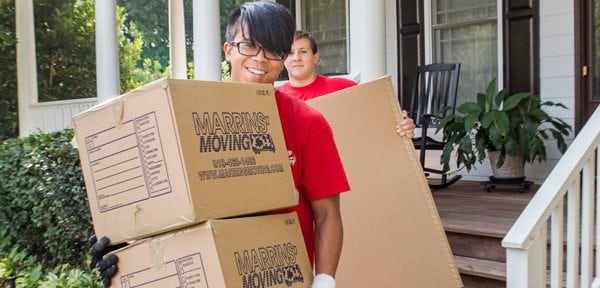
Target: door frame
[(583, 55)]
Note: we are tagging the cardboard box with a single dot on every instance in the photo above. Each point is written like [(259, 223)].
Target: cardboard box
[(178, 152), (263, 251), (393, 236)]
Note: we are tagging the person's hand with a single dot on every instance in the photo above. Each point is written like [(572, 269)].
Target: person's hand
[(323, 281), (107, 267), (406, 127)]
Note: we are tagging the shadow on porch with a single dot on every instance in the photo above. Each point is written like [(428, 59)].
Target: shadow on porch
[(475, 222)]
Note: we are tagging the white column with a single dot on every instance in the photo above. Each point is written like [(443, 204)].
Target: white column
[(177, 40), (207, 40), (367, 38), (107, 51), (26, 65)]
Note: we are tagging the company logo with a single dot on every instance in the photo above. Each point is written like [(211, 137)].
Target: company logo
[(232, 131), (269, 266)]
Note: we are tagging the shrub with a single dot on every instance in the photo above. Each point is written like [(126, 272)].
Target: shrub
[(43, 202), (25, 271)]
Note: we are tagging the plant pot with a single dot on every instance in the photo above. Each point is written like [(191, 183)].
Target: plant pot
[(514, 166)]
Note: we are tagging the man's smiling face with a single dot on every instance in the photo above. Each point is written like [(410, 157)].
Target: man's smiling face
[(251, 69)]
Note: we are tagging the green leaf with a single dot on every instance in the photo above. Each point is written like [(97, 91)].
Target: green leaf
[(470, 121), (466, 143), (487, 119), (557, 104), (500, 97), (490, 92), (481, 101), (501, 122), (514, 100), (495, 138), (469, 108)]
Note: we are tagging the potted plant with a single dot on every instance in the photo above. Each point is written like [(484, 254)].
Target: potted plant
[(511, 129)]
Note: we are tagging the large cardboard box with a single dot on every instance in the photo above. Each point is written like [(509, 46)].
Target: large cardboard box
[(263, 251), (178, 152), (393, 236)]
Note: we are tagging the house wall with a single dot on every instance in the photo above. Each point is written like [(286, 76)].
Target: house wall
[(556, 76), (557, 70)]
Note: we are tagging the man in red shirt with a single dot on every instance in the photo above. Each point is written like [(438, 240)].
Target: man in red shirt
[(259, 38), (304, 82)]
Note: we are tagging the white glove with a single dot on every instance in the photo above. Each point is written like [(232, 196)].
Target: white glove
[(323, 281)]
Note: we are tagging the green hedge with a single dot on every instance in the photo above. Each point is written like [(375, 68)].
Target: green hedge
[(43, 202)]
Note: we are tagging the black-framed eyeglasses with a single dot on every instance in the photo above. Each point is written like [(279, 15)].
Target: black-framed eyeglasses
[(249, 49)]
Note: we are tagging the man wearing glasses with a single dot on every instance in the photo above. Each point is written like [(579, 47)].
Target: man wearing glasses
[(259, 38)]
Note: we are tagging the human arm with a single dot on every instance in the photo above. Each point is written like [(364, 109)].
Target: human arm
[(406, 127), (329, 237)]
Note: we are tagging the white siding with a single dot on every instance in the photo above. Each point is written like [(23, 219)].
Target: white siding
[(557, 75), (391, 34)]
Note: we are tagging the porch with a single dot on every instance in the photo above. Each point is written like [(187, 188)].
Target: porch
[(475, 222)]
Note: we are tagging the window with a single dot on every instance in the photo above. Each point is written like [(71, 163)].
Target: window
[(326, 21), (465, 31)]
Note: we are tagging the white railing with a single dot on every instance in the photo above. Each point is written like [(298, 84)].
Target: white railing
[(57, 115), (572, 181)]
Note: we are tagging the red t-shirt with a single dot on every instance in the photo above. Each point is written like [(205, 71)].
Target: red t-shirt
[(316, 166), (321, 86)]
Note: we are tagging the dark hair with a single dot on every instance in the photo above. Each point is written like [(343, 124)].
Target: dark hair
[(304, 34), (267, 23)]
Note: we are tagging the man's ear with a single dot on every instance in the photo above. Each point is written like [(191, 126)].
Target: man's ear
[(316, 58), (227, 50)]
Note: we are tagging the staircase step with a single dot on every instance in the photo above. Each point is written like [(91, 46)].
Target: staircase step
[(481, 268), (475, 246)]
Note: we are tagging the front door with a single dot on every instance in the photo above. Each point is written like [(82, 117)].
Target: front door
[(587, 70)]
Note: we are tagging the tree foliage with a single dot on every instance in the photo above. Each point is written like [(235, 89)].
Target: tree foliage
[(152, 20), (8, 73), (65, 32)]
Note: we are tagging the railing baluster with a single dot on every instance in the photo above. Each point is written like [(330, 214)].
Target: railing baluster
[(573, 234), (587, 222), (597, 246), (557, 246)]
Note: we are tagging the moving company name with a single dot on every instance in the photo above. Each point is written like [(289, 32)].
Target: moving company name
[(230, 131), (269, 266)]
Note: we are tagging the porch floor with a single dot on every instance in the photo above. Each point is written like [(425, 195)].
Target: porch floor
[(465, 207)]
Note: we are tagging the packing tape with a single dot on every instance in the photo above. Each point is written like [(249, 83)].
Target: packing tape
[(118, 113), (157, 253), (142, 227), (215, 226)]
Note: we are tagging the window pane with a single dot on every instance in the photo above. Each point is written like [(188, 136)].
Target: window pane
[(596, 48), (457, 11), (326, 21), (466, 33)]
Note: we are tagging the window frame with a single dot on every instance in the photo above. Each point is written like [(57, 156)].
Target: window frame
[(300, 17), (428, 36)]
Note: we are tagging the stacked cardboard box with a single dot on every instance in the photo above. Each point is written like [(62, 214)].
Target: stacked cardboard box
[(262, 251), (176, 153)]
